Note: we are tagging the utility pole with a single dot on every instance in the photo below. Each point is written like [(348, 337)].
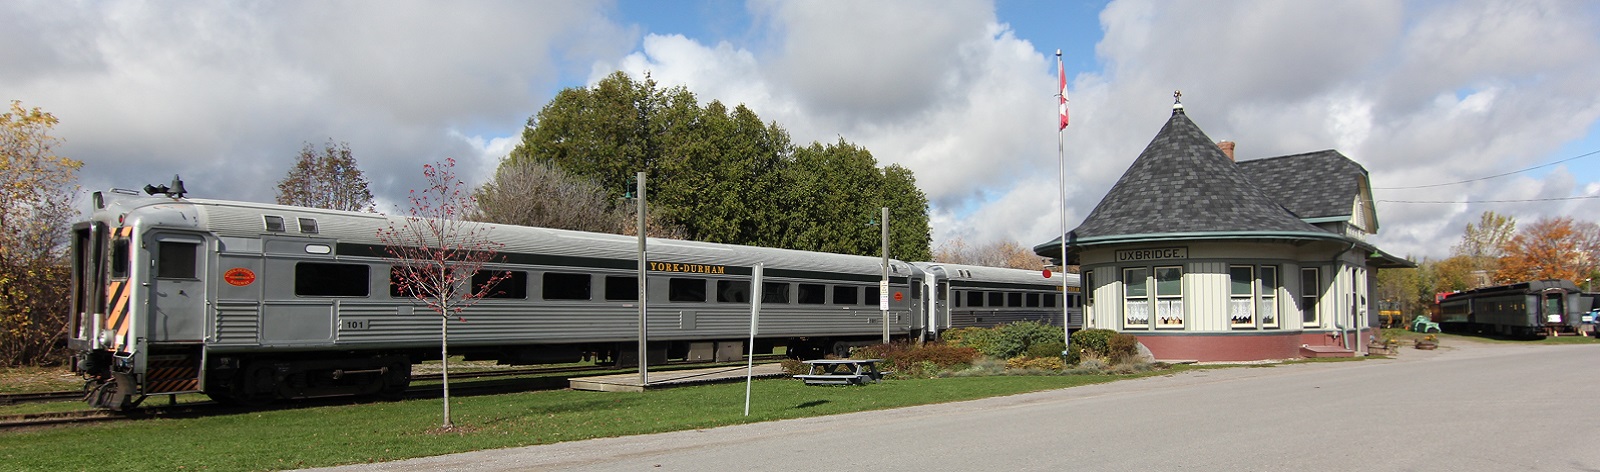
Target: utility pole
[(883, 285)]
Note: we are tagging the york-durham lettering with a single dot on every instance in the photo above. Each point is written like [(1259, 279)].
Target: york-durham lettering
[(688, 268)]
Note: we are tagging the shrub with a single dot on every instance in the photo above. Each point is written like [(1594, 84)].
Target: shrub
[(1035, 363), (980, 339), (1122, 348), (911, 360), (794, 367), (1014, 339), (1096, 341), (1043, 350)]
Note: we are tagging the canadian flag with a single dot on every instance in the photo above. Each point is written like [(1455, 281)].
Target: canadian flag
[(1061, 73)]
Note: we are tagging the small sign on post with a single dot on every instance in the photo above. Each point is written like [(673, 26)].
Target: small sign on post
[(883, 295)]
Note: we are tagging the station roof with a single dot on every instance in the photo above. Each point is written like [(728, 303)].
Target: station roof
[(1182, 187)]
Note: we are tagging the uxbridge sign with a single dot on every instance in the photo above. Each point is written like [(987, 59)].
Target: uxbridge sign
[(1127, 255)]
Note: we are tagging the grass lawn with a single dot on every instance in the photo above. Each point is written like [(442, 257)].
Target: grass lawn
[(324, 436)]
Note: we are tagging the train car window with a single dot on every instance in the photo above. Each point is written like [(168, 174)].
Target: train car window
[(916, 291), (869, 295), (513, 285), (974, 298), (119, 259), (846, 295), (997, 299), (1014, 299), (686, 290), (563, 286), (622, 288), (956, 299), (175, 260), (273, 223), (324, 279), (1049, 300), (733, 291), (813, 294), (1033, 300), (308, 225), (774, 292)]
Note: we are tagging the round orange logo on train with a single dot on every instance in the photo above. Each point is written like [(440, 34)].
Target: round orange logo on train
[(239, 276)]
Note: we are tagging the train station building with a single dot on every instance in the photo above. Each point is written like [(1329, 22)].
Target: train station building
[(1205, 258)]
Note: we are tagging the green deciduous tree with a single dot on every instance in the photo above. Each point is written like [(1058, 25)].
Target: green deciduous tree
[(723, 174), (36, 194), (326, 179)]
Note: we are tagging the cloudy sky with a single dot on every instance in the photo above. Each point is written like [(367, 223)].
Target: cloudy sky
[(1421, 93)]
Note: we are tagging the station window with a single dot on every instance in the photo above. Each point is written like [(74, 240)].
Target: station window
[(175, 260), (1169, 297), (733, 291), (564, 286), (774, 292), (813, 294), (1310, 291), (1241, 296), (686, 290), (1269, 296), (324, 279), (846, 295), (1088, 287), (622, 288), (1136, 297), (513, 284)]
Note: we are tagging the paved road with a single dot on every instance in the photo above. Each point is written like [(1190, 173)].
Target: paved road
[(1465, 407)]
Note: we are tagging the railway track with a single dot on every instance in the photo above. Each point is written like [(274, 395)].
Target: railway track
[(38, 397)]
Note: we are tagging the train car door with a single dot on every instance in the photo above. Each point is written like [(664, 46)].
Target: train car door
[(177, 287)]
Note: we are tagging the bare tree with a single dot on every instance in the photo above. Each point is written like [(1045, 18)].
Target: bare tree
[(329, 179), (996, 254), (529, 193), (435, 254)]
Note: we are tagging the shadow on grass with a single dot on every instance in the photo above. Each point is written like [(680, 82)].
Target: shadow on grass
[(811, 404)]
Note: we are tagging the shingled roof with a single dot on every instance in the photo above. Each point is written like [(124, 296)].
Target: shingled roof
[(1183, 184), (1314, 185)]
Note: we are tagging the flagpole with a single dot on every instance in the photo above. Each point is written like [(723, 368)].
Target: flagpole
[(1061, 159)]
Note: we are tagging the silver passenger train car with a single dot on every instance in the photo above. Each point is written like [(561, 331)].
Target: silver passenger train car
[(250, 302)]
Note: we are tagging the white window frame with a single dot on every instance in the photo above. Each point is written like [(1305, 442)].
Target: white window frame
[(1168, 305), (1242, 306), (1269, 313), (1136, 309), (1310, 300)]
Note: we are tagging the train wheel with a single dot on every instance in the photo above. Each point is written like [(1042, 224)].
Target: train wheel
[(256, 387), (395, 381)]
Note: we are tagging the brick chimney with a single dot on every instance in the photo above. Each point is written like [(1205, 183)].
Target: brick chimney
[(1227, 149)]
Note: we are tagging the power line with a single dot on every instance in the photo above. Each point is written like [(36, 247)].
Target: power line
[(1541, 166), (1556, 199)]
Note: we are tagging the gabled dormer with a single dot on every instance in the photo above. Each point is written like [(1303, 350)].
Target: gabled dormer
[(1323, 188)]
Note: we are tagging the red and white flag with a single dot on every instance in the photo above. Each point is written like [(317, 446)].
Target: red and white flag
[(1061, 73)]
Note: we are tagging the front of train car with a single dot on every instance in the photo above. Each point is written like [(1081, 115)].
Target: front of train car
[(138, 298)]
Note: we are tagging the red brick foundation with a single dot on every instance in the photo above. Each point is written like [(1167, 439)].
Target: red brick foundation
[(1215, 347)]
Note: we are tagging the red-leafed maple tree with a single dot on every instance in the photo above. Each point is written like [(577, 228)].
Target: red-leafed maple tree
[(434, 254)]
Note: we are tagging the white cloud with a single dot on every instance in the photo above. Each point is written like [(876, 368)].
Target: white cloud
[(227, 93)]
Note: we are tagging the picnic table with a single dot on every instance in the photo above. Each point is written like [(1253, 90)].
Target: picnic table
[(841, 372)]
